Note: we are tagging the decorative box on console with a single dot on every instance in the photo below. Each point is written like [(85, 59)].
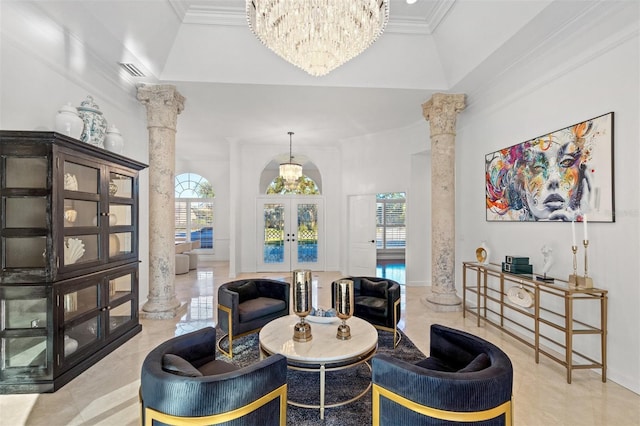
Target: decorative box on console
[(517, 260), (517, 265)]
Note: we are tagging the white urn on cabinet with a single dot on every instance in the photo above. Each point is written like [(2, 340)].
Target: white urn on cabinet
[(113, 140), (68, 122)]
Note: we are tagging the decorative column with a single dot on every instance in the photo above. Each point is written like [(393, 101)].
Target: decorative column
[(441, 112), (163, 103)]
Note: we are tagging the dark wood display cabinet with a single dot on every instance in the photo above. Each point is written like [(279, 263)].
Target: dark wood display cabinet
[(69, 258)]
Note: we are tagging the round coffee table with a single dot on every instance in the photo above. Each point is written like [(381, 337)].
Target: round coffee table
[(324, 352)]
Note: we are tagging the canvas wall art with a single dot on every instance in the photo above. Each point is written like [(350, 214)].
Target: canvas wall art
[(560, 176)]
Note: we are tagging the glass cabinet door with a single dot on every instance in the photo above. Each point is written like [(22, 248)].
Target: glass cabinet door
[(24, 203), (81, 215), (120, 185), (121, 214), (120, 315), (26, 172), (81, 178), (24, 332), (121, 299), (25, 219), (121, 286), (81, 317)]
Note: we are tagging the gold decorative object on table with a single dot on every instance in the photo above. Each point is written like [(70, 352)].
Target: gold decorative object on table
[(482, 254), (302, 304), (344, 305)]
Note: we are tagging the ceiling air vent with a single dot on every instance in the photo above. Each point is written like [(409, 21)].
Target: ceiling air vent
[(132, 69)]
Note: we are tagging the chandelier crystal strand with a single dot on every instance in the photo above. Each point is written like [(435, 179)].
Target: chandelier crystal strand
[(317, 35)]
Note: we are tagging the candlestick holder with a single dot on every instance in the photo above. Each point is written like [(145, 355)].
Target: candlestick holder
[(584, 281), (587, 281), (573, 278)]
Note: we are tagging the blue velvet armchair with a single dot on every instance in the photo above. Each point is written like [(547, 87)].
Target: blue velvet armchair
[(183, 383), (465, 379), (377, 301), (245, 306)]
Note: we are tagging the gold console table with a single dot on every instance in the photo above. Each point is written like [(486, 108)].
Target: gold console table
[(550, 318)]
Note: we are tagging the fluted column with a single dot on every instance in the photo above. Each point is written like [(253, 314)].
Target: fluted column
[(163, 103), (441, 112)]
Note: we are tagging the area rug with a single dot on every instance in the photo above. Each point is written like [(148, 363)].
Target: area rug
[(341, 385)]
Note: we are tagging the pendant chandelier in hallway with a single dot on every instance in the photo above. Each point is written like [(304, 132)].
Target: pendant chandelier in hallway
[(290, 172), (317, 35)]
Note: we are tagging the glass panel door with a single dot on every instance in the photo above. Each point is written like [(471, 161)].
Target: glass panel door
[(120, 185), (289, 233), (24, 328), (81, 319), (81, 215), (307, 229), (119, 300), (120, 216), (24, 207), (272, 237)]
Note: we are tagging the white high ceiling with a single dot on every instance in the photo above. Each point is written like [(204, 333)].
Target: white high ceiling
[(238, 90)]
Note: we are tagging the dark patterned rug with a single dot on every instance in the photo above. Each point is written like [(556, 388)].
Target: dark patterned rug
[(341, 385)]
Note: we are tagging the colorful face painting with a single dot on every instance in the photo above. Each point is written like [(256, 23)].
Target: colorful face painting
[(557, 177)]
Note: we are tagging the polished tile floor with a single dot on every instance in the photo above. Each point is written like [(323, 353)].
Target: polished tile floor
[(107, 393)]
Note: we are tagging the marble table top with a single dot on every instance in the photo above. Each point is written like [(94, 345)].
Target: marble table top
[(324, 347)]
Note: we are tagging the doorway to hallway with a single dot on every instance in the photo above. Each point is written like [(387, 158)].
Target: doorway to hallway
[(392, 269)]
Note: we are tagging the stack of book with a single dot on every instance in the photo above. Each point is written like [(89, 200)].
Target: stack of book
[(517, 265)]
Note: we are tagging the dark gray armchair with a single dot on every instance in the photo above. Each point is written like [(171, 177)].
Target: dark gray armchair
[(377, 300), (465, 379), (182, 383), (245, 306)]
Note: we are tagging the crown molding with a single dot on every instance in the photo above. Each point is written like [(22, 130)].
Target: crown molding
[(203, 14)]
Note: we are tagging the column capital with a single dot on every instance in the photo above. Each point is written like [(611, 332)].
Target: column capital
[(163, 103), (441, 112)]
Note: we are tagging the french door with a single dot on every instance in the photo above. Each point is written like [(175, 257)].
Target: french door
[(290, 231)]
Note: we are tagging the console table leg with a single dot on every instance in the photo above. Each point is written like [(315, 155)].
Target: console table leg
[(569, 335), (322, 391), (603, 336)]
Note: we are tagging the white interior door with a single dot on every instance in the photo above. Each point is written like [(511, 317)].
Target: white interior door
[(362, 235), (289, 233)]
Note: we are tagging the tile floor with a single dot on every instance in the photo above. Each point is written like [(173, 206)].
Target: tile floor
[(107, 393)]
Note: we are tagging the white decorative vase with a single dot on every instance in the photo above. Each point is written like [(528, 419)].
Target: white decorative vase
[(70, 345), (113, 140), (68, 122), (482, 254), (95, 124)]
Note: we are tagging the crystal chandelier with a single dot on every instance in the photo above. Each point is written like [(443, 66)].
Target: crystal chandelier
[(317, 35), (290, 171)]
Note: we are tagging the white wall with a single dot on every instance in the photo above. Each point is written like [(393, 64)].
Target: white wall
[(42, 68), (384, 162), (418, 252), (607, 81)]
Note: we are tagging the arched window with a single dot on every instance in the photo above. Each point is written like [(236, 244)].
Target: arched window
[(191, 185), (194, 209), (304, 186)]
